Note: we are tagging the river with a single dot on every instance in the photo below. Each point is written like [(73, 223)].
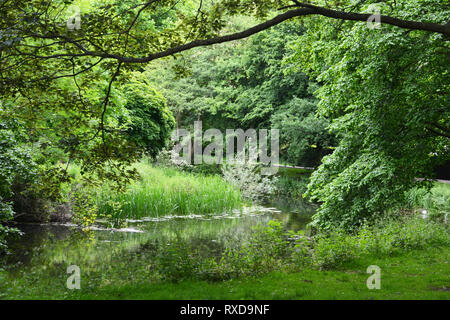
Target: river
[(50, 244)]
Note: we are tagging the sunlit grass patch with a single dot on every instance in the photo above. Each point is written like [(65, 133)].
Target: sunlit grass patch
[(166, 191)]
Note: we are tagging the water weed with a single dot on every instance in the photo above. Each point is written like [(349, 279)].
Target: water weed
[(167, 191)]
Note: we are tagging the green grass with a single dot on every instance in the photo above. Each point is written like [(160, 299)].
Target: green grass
[(166, 191), (413, 255), (436, 200), (419, 274)]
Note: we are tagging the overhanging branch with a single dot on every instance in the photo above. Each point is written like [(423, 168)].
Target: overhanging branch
[(304, 11)]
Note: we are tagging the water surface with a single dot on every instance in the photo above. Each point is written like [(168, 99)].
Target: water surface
[(45, 245)]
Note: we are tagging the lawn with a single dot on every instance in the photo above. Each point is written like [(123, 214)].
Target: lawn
[(418, 274)]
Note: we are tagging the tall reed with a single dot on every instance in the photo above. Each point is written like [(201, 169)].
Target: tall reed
[(166, 191)]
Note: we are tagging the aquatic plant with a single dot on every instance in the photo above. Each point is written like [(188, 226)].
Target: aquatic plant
[(167, 191)]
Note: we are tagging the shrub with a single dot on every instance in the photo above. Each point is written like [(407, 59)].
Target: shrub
[(271, 248), (263, 252), (392, 235), (334, 248), (267, 249), (388, 236), (291, 186), (177, 262), (436, 201), (245, 176)]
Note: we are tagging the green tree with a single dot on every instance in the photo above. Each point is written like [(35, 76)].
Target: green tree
[(16, 167), (387, 93), (151, 120), (64, 79), (304, 136), (245, 85)]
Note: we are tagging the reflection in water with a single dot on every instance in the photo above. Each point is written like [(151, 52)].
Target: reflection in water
[(52, 244)]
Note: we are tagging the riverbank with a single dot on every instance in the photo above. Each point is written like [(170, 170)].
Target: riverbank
[(260, 254), (269, 263), (418, 274)]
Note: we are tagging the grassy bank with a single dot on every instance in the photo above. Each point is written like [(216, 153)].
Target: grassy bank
[(167, 191), (416, 275), (413, 255), (269, 263)]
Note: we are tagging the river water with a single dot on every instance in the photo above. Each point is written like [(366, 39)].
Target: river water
[(49, 244)]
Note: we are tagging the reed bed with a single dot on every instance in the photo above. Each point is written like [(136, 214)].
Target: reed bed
[(167, 191)]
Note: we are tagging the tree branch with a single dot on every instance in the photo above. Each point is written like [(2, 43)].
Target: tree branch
[(441, 134), (106, 100), (305, 11)]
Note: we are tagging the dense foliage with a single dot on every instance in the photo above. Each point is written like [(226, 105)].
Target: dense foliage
[(387, 93), (16, 167), (151, 120), (83, 93), (245, 85)]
